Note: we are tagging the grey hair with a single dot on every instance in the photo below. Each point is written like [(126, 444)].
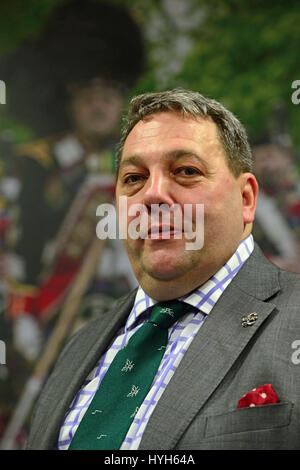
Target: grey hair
[(232, 133)]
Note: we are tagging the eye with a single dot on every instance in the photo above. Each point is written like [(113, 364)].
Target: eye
[(187, 171), (134, 178)]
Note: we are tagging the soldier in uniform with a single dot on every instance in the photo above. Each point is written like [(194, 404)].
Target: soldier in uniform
[(75, 77)]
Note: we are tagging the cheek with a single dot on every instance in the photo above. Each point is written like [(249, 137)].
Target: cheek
[(115, 111), (80, 111), (224, 202)]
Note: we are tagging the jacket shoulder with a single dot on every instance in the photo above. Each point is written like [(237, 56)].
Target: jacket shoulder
[(38, 150), (290, 287)]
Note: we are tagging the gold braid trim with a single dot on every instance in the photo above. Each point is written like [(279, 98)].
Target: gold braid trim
[(39, 150)]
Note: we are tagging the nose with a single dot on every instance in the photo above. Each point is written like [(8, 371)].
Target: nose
[(157, 190)]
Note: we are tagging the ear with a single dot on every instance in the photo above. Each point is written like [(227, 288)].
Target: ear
[(249, 191)]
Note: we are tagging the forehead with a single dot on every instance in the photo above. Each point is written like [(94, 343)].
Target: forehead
[(167, 131)]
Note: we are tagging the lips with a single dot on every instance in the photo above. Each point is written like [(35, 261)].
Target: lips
[(163, 232)]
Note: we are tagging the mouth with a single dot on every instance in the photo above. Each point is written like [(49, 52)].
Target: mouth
[(163, 232)]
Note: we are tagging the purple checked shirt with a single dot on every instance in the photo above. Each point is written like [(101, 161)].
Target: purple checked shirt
[(181, 335)]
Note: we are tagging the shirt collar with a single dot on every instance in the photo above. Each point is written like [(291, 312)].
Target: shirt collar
[(204, 297)]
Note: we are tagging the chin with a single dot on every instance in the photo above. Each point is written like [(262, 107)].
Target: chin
[(163, 275), (164, 271)]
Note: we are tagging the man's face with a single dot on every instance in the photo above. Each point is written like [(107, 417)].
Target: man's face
[(96, 110), (168, 159)]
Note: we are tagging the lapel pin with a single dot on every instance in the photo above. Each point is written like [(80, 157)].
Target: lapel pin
[(250, 319)]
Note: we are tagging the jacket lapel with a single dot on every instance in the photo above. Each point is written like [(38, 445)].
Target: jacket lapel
[(91, 347), (213, 351)]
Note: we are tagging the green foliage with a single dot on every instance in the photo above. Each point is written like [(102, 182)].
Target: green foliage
[(20, 19), (247, 55)]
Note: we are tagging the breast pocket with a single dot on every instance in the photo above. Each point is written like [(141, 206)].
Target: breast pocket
[(249, 419)]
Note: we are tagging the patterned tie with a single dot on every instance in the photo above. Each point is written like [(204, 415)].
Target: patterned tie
[(127, 382)]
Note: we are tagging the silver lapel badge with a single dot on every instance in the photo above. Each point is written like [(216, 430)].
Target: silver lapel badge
[(250, 319)]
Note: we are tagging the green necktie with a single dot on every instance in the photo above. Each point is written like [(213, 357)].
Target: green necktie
[(127, 382)]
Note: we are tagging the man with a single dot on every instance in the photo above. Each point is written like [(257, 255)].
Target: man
[(234, 348), (75, 79), (55, 170)]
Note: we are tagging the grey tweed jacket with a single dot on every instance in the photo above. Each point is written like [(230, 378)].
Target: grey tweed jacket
[(198, 409)]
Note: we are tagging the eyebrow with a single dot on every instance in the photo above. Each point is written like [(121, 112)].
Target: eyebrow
[(173, 154), (132, 160)]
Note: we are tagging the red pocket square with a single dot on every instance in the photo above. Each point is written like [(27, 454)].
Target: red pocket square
[(264, 395)]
